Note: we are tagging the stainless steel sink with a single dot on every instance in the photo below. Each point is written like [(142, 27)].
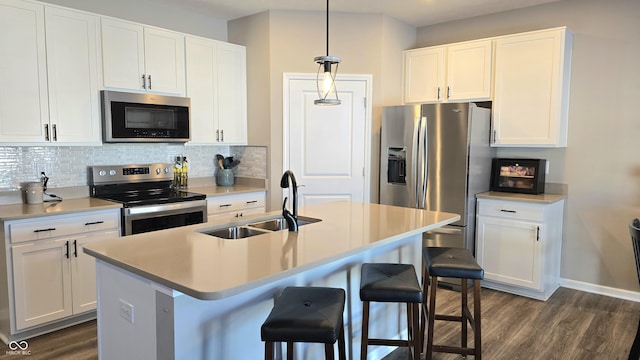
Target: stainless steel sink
[(278, 224), (234, 232), (257, 228)]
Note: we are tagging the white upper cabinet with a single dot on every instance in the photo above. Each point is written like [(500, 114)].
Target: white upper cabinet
[(140, 58), (216, 84), (531, 91), (49, 93), (73, 76), (456, 72), (24, 107), (469, 71), (424, 71)]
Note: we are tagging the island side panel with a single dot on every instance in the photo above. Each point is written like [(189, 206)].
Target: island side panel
[(126, 315)]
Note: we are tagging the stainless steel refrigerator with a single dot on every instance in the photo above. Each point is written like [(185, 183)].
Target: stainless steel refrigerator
[(437, 157)]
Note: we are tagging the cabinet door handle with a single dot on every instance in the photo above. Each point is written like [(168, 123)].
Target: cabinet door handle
[(448, 92), (144, 82), (46, 132), (438, 92), (94, 223), (222, 135), (43, 230), (217, 135), (55, 132), (509, 211), (66, 245), (252, 202), (495, 136), (149, 77), (75, 248), (225, 205), (537, 233)]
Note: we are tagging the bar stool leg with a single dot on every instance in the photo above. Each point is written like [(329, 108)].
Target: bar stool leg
[(415, 330), (463, 316), (425, 310), (365, 330), (328, 351), (432, 316), (342, 349), (477, 335), (289, 351), (268, 350)]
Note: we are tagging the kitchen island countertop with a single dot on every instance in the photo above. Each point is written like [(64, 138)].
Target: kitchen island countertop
[(208, 268)]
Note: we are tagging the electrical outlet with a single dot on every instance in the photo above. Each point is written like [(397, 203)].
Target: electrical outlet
[(126, 311), (39, 170)]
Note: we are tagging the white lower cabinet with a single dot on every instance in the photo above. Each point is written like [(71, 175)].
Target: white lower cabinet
[(228, 208), (518, 244), (52, 277)]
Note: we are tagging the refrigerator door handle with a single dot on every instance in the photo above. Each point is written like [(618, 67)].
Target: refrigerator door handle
[(417, 133), (425, 164)]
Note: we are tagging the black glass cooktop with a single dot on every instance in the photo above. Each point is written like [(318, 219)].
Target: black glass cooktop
[(143, 194), (146, 198)]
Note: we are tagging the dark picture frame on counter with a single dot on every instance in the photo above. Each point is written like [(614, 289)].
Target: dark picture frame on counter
[(525, 176)]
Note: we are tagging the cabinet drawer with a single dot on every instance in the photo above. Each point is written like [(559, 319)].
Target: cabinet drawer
[(222, 204), (54, 226), (510, 210)]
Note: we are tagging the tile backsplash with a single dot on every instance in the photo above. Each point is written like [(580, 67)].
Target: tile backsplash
[(67, 165)]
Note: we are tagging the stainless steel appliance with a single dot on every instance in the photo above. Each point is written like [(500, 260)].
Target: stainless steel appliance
[(437, 157), (133, 117), (149, 201)]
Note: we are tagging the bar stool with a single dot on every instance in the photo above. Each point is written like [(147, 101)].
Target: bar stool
[(452, 263), (398, 283), (306, 314)]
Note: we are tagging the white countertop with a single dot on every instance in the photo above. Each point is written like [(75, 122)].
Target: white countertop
[(208, 268), (541, 198), (67, 206)]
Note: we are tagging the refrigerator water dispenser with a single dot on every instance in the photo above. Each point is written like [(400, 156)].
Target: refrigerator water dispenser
[(397, 165)]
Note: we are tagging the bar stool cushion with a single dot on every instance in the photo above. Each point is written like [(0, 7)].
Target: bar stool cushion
[(382, 282), (452, 263), (305, 314)]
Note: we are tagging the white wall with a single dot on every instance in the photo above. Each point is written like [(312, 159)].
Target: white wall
[(601, 164), (367, 44)]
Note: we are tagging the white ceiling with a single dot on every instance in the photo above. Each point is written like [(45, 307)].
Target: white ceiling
[(415, 12)]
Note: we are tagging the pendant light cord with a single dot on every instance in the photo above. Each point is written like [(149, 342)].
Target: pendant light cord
[(327, 27)]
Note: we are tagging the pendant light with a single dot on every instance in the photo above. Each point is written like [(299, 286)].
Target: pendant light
[(326, 77)]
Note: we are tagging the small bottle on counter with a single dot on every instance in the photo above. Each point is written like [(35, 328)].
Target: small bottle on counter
[(180, 173)]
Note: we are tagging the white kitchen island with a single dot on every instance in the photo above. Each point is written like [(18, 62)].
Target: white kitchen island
[(183, 294)]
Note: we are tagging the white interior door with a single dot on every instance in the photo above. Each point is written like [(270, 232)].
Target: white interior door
[(327, 147)]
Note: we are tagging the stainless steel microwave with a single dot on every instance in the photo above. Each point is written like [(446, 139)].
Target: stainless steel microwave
[(133, 117)]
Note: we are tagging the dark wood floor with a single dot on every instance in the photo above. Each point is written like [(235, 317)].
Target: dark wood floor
[(570, 325)]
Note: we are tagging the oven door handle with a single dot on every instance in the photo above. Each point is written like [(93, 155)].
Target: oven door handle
[(138, 210)]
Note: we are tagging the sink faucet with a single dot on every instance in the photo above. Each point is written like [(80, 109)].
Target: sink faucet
[(292, 219)]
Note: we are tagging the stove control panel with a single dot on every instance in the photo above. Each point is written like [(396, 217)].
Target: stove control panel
[(110, 174)]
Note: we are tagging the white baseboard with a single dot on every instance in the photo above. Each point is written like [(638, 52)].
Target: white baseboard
[(601, 290)]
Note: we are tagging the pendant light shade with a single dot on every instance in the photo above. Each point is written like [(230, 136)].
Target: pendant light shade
[(326, 76)]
